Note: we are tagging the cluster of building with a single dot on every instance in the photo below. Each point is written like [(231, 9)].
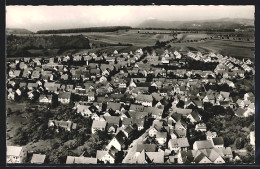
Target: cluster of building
[(123, 92)]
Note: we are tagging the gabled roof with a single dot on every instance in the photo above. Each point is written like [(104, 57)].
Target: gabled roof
[(196, 115), (38, 158), (136, 107), (114, 106), (64, 95), (153, 110), (143, 97), (183, 111), (199, 158), (126, 121), (112, 120), (101, 153), (161, 135), (121, 137), (13, 150), (204, 144), (146, 147), (218, 141), (156, 157), (240, 112), (99, 124)]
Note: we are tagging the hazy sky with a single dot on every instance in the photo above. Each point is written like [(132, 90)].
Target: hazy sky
[(59, 17)]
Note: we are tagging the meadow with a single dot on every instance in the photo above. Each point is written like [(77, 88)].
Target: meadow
[(125, 41)]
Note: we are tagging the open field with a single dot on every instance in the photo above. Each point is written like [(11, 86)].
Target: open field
[(229, 48), (107, 42)]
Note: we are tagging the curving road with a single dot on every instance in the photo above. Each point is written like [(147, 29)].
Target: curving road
[(130, 156)]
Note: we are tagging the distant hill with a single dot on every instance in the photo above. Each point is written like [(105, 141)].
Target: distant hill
[(217, 24), (21, 46), (79, 30), (17, 31)]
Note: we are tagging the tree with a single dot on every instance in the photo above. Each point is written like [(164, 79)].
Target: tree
[(180, 104), (240, 143)]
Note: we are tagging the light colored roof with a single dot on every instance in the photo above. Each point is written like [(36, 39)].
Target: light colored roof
[(81, 160), (38, 158), (13, 150), (156, 157), (204, 144), (99, 124)]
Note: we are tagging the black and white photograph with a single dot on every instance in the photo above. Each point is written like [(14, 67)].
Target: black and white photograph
[(129, 84)]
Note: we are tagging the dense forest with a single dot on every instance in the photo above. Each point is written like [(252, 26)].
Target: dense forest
[(78, 30), (22, 46)]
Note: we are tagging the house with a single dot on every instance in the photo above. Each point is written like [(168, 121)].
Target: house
[(45, 98), (15, 154), (201, 127), (218, 142), (201, 159), (194, 117), (240, 112), (91, 96), (81, 160), (112, 123), (129, 132), (98, 125), (181, 125), (154, 111), (115, 107), (68, 125), (84, 110), (144, 147), (105, 156), (35, 74), (126, 122), (31, 86), (38, 159), (150, 157), (118, 141), (213, 155), (183, 112), (161, 137), (210, 135), (248, 96), (178, 144), (252, 138), (64, 97), (145, 100), (203, 144)]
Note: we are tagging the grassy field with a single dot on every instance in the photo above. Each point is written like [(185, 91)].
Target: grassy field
[(229, 48), (103, 40)]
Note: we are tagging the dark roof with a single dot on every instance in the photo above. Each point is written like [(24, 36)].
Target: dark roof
[(121, 137), (113, 106), (64, 95), (112, 119), (195, 115), (143, 97), (136, 107), (218, 141), (146, 147)]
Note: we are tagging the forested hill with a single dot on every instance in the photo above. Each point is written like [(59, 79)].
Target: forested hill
[(22, 45), (79, 30), (17, 31)]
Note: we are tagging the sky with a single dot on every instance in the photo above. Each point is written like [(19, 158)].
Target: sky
[(36, 18)]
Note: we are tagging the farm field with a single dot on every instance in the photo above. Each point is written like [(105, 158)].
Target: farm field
[(230, 48), (107, 42)]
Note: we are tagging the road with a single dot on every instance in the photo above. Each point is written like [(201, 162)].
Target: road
[(130, 156)]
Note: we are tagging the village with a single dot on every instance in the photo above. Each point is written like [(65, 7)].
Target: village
[(155, 108)]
